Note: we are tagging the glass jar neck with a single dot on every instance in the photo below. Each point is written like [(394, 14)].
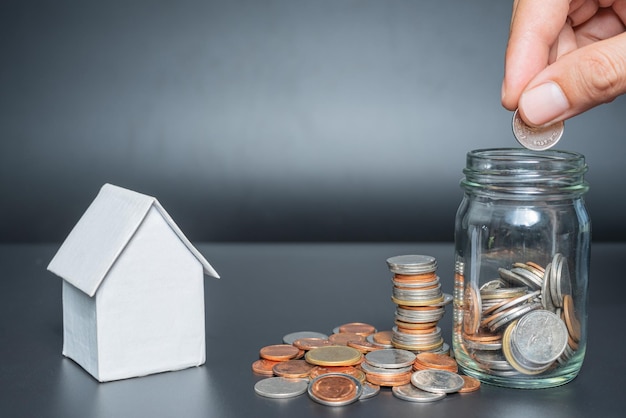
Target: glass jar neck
[(524, 174)]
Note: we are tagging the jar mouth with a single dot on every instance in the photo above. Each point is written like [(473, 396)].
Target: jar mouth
[(525, 172)]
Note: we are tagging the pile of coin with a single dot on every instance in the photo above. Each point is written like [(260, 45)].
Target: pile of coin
[(335, 375), (420, 304), (521, 323)]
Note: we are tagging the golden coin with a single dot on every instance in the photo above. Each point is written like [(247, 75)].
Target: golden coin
[(358, 328), (310, 343), (537, 266), (334, 355), (349, 370), (569, 314), (470, 384), (292, 369), (264, 367), (335, 388), (279, 352), (343, 338), (383, 337), (436, 361)]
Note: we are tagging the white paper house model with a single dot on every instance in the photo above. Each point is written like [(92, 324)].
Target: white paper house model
[(133, 289)]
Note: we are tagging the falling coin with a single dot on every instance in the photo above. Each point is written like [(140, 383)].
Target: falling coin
[(536, 139)]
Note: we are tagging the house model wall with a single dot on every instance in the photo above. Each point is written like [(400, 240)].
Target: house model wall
[(133, 289)]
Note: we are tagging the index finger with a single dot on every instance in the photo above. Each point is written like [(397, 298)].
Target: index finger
[(535, 27)]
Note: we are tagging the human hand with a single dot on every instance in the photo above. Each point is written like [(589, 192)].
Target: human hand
[(564, 57)]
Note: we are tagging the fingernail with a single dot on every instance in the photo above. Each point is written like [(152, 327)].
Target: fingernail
[(543, 103)]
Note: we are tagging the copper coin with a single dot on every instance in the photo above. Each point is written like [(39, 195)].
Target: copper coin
[(310, 343), (415, 325), (343, 338), (569, 314), (363, 346), (292, 369), (470, 384), (359, 328), (397, 379), (383, 337), (437, 361), (264, 367), (417, 331), (471, 318), (335, 389), (349, 370), (279, 352), (426, 277), (484, 336)]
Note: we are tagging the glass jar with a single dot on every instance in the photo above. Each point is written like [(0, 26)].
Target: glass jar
[(522, 244)]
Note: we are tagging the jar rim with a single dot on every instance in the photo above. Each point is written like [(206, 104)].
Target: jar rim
[(520, 171)]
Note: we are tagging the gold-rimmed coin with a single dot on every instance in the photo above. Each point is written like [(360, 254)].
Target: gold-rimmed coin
[(334, 355), (292, 369), (279, 352)]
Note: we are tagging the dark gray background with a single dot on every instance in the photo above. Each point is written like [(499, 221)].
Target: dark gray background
[(335, 120)]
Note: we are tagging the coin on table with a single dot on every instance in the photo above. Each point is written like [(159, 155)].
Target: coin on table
[(290, 338), (359, 328), (335, 389), (437, 381), (390, 358), (292, 369), (369, 390), (471, 384), (334, 355), (310, 343), (279, 352), (412, 264), (281, 387), (410, 393), (264, 367), (343, 338), (536, 138), (349, 370), (428, 360)]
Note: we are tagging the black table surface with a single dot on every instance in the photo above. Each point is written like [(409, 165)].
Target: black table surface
[(266, 292)]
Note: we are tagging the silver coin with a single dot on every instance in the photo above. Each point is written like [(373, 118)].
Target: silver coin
[(281, 387), (412, 264), (410, 393), (493, 285), (540, 337), (368, 368), (530, 276), (515, 313), (536, 139), (515, 278), (370, 339), (437, 381), (517, 301), (392, 358), (369, 390), (546, 296), (290, 338)]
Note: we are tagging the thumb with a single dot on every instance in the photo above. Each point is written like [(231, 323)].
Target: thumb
[(576, 82)]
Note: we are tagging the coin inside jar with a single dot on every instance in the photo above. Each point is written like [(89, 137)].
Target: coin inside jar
[(335, 389)]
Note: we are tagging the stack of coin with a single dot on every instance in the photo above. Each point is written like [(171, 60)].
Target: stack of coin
[(425, 361), (489, 332), (388, 367), (356, 335), (420, 303)]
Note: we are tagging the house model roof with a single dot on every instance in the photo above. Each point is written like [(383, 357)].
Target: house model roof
[(102, 233)]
